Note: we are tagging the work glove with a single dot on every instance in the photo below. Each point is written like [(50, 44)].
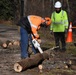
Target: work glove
[(51, 32)]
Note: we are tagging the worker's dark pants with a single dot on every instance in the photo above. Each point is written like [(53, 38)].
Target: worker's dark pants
[(25, 37), (60, 37)]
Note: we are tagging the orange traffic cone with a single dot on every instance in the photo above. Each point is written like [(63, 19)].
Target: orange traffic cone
[(69, 35)]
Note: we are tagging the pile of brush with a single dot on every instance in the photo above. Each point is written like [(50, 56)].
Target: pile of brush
[(59, 63)]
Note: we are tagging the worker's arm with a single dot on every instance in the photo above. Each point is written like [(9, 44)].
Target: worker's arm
[(65, 20), (52, 21), (35, 35)]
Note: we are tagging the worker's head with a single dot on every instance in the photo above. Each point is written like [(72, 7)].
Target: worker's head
[(58, 6), (48, 21)]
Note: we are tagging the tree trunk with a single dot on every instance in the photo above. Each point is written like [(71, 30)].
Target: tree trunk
[(33, 60), (38, 58)]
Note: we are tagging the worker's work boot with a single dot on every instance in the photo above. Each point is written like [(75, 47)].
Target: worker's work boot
[(63, 49)]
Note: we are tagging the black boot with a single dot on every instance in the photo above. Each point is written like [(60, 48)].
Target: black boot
[(63, 49)]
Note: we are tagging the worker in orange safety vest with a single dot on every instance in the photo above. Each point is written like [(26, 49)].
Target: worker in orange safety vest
[(29, 27)]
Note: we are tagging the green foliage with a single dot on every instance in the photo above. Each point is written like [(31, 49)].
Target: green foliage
[(6, 9)]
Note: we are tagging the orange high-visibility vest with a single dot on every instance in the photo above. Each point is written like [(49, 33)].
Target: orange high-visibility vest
[(35, 22)]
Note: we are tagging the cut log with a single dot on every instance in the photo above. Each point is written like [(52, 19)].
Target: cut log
[(13, 45), (5, 44), (32, 61), (16, 42), (9, 43)]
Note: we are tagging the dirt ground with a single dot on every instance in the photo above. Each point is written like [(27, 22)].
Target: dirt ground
[(8, 57)]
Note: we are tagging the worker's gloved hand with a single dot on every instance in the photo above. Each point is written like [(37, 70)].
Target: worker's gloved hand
[(51, 32), (39, 41)]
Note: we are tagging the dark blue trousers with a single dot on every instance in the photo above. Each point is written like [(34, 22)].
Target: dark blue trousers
[(25, 37)]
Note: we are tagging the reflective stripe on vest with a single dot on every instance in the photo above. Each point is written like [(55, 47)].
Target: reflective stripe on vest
[(58, 22), (32, 25)]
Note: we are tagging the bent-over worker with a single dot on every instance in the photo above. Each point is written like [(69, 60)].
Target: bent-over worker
[(29, 27)]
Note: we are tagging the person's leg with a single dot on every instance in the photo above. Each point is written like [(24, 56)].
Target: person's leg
[(24, 43), (56, 36), (63, 41)]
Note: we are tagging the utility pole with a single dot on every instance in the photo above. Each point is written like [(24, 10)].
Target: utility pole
[(22, 8), (25, 3)]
